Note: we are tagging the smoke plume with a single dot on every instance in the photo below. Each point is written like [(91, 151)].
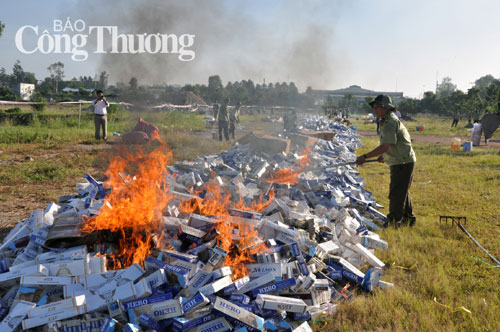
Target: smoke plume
[(232, 39)]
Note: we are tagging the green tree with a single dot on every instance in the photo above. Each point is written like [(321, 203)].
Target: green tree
[(39, 107), (2, 26), (215, 89), (133, 83), (474, 106), (103, 80), (20, 76), (445, 88), (430, 103), (408, 106), (56, 71), (348, 101)]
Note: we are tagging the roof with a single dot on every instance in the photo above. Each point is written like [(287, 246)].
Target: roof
[(357, 90)]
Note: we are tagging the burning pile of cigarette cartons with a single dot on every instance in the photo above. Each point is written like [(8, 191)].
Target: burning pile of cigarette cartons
[(242, 241)]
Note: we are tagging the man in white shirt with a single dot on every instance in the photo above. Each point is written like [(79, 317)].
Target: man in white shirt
[(100, 115)]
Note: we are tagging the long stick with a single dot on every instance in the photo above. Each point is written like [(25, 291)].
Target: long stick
[(477, 244)]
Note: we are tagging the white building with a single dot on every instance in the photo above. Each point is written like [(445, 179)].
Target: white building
[(25, 90)]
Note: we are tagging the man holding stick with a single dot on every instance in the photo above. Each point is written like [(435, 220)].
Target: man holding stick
[(100, 115), (395, 149)]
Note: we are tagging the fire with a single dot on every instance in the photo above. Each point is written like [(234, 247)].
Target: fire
[(235, 235), (291, 174), (133, 209)]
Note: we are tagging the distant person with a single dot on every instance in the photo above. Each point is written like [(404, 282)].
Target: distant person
[(234, 118), (100, 115), (395, 149), (456, 117), (223, 120), (397, 113), (215, 109)]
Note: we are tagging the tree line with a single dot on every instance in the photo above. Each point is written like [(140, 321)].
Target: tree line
[(480, 99)]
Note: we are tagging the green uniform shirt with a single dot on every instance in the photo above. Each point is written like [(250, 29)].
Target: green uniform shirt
[(234, 115), (223, 115), (394, 132)]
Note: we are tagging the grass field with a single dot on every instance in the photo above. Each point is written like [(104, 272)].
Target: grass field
[(432, 260), (41, 162), (433, 125)]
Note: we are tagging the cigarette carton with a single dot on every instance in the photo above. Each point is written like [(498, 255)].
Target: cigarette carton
[(146, 301), (11, 322), (265, 279), (130, 274), (36, 270), (62, 305), (157, 279), (184, 324), (239, 313), (60, 315), (148, 321), (160, 310), (217, 325), (258, 270), (196, 302), (274, 287), (75, 253), (216, 286), (69, 268), (288, 304), (199, 280), (34, 281)]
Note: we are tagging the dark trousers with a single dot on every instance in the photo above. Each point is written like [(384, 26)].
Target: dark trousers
[(378, 128), (101, 121), (400, 205), (231, 128), (223, 127), (454, 123)]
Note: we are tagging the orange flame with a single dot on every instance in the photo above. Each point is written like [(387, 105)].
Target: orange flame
[(291, 174), (235, 235), (133, 209)]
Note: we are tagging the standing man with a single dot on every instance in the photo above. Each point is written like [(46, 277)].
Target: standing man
[(234, 117), (456, 117), (223, 120), (395, 149), (100, 115)]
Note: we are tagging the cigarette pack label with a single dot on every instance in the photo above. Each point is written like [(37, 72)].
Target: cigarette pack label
[(239, 313), (257, 270), (265, 279), (161, 310), (184, 324), (195, 302), (149, 300), (157, 279), (217, 325), (274, 287), (236, 285), (281, 303), (240, 298)]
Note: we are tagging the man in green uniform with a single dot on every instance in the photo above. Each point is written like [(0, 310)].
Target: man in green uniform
[(234, 118), (223, 120), (395, 149)]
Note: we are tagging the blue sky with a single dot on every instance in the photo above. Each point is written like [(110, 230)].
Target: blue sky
[(380, 45)]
